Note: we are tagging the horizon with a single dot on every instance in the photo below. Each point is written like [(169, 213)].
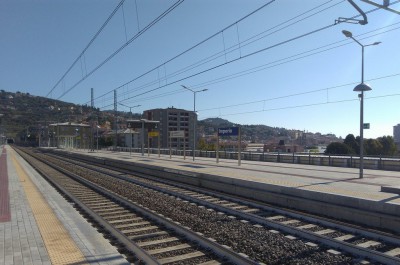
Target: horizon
[(283, 64)]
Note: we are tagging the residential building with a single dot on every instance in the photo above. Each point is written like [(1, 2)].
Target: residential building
[(172, 119), (396, 133)]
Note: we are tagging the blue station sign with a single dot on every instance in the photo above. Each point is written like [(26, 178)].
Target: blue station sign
[(230, 131)]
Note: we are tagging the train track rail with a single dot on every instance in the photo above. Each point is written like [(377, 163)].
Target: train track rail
[(140, 233), (316, 232)]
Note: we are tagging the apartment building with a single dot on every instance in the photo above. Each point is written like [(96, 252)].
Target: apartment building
[(396, 133), (172, 119)]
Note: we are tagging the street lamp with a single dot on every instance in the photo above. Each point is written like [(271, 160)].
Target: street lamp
[(130, 108), (361, 88), (194, 112)]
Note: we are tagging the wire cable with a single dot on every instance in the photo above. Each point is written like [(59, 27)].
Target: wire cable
[(304, 105), (88, 45), (193, 47), (171, 8)]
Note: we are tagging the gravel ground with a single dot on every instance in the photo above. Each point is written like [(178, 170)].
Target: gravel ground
[(258, 243)]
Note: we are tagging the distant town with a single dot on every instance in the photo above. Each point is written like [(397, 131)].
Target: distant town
[(39, 121)]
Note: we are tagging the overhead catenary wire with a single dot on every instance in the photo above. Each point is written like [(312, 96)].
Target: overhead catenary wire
[(152, 23), (232, 48), (200, 73), (192, 47), (236, 59), (304, 105), (87, 46), (281, 61), (279, 97), (240, 45)]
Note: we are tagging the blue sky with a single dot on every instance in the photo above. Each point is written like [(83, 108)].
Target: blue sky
[(257, 71)]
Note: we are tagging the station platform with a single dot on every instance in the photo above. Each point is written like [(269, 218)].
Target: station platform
[(35, 220), (39, 227), (373, 200)]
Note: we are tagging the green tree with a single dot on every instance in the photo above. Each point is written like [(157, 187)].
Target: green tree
[(202, 145), (338, 148), (352, 143), (373, 147), (388, 145)]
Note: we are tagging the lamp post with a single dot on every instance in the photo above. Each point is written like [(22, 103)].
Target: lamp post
[(361, 88), (194, 112), (58, 127)]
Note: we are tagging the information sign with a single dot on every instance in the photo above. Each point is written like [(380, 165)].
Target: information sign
[(137, 124), (366, 125), (152, 134), (177, 134), (230, 131)]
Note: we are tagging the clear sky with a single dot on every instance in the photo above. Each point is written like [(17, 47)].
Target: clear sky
[(286, 65)]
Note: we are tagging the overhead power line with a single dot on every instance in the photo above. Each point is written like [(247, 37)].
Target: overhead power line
[(267, 99), (288, 59), (275, 63), (240, 45), (88, 45), (152, 23), (303, 105), (192, 47)]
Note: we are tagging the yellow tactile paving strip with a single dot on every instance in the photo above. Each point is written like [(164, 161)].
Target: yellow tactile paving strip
[(60, 246)]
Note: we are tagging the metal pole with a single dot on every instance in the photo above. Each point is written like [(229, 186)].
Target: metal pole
[(142, 138), (362, 135), (97, 138), (239, 151), (362, 117), (217, 149), (194, 123), (158, 143), (130, 149)]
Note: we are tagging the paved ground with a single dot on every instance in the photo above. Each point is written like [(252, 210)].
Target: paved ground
[(23, 239), (332, 180)]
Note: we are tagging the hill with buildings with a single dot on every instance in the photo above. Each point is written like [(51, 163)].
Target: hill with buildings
[(23, 114)]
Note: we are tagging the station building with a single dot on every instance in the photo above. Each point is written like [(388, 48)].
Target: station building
[(70, 135)]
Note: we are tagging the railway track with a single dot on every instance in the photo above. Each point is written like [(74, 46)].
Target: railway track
[(141, 234), (316, 233)]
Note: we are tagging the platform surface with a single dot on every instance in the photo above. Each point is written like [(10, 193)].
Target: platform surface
[(331, 180), (26, 234)]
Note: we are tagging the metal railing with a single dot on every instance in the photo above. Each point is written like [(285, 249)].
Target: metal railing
[(353, 161)]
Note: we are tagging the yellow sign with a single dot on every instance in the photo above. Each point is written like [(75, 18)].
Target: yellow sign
[(153, 134)]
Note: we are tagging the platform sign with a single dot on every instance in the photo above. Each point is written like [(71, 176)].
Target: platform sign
[(230, 131), (153, 134), (366, 126), (143, 123), (177, 134)]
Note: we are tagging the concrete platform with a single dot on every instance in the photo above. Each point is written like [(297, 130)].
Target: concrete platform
[(35, 236), (333, 191)]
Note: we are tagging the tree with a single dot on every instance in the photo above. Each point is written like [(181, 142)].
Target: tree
[(388, 145), (338, 149), (353, 143), (373, 147)]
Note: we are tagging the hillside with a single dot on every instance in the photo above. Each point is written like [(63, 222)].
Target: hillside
[(21, 113)]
